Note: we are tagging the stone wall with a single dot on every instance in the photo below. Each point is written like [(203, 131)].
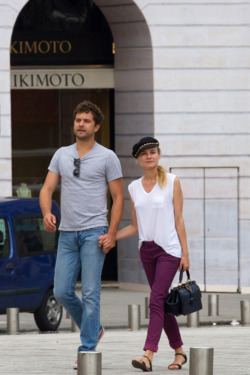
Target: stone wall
[(201, 81), (201, 113)]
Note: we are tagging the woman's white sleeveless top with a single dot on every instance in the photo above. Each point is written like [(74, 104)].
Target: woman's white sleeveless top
[(155, 215)]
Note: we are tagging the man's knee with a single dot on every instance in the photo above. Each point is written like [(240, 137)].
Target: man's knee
[(60, 295)]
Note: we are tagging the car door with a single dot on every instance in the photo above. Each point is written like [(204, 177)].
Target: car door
[(36, 251), (7, 266)]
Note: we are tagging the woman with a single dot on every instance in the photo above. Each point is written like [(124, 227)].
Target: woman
[(156, 209)]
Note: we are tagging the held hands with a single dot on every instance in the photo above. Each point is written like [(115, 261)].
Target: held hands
[(49, 222), (107, 242), (184, 263)]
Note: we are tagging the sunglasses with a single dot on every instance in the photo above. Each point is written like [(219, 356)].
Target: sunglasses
[(76, 171)]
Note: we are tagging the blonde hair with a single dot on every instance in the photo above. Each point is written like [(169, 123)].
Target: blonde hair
[(161, 176)]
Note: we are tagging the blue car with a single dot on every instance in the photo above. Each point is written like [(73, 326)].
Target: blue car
[(27, 261)]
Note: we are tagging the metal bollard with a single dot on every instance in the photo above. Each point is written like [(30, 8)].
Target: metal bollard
[(146, 308), (89, 363), (74, 327), (12, 321), (213, 304), (67, 316), (193, 319), (245, 312), (201, 361), (134, 317)]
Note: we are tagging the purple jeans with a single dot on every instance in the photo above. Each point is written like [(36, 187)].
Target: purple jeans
[(160, 269)]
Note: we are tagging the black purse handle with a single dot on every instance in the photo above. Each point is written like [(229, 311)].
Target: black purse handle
[(181, 275)]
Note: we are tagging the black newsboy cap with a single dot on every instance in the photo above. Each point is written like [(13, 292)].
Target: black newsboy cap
[(146, 142)]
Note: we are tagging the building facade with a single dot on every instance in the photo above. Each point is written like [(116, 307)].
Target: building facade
[(178, 71)]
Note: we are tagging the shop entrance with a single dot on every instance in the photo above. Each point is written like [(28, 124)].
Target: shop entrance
[(41, 123), (61, 54)]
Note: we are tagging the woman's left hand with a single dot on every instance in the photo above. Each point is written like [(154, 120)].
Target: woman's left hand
[(184, 263)]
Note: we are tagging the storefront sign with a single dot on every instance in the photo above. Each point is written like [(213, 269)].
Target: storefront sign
[(62, 79), (61, 33), (25, 47)]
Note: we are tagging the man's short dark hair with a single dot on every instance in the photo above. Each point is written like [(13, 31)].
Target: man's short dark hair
[(86, 107)]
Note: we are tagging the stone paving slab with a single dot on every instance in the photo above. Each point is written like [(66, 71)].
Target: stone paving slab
[(54, 354)]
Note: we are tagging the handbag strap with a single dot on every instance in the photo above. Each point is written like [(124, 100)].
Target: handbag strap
[(181, 275)]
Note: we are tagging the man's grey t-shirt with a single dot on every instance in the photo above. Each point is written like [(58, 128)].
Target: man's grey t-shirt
[(84, 198)]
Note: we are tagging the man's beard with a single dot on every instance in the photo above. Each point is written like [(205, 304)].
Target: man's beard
[(84, 137)]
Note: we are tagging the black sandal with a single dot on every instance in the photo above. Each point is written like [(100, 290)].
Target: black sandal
[(177, 364), (142, 365)]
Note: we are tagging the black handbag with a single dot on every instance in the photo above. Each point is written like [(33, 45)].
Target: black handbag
[(185, 298)]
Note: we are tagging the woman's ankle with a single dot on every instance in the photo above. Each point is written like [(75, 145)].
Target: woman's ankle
[(149, 354), (179, 350)]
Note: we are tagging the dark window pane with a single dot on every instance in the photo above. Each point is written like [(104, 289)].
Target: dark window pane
[(4, 239), (31, 237)]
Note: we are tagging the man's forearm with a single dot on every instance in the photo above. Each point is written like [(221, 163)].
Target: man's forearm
[(116, 215), (45, 200)]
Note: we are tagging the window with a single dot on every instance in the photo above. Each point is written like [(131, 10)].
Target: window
[(31, 237), (4, 239)]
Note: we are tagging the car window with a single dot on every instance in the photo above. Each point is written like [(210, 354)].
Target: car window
[(31, 237), (4, 239)]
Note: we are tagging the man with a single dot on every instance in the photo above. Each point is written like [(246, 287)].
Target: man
[(86, 170)]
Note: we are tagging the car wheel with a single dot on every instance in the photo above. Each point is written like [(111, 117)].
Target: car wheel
[(48, 316)]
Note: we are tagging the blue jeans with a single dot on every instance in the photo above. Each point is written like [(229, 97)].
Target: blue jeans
[(75, 250)]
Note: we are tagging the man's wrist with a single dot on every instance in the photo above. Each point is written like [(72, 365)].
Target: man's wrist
[(112, 232)]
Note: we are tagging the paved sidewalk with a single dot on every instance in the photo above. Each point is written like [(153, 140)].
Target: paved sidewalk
[(54, 353), (114, 311)]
